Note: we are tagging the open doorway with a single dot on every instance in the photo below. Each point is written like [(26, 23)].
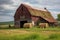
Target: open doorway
[(22, 23)]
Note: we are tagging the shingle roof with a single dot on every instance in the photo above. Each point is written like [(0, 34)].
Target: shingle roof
[(44, 14)]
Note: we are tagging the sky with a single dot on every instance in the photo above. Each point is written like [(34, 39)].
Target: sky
[(8, 7)]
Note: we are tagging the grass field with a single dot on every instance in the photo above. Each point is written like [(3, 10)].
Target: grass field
[(34, 33), (6, 23), (30, 34)]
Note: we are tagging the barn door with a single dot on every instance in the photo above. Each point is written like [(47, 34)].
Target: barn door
[(22, 23)]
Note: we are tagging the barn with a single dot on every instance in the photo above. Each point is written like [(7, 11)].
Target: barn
[(27, 14)]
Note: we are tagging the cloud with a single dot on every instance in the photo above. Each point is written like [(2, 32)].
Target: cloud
[(6, 18), (49, 2), (5, 2), (8, 7), (54, 14)]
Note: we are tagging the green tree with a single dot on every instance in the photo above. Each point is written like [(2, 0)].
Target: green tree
[(58, 17)]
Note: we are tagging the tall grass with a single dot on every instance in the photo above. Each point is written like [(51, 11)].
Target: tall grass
[(54, 37), (34, 36), (30, 34), (23, 34), (20, 37)]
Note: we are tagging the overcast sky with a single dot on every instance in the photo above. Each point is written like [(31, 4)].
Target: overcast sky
[(8, 7)]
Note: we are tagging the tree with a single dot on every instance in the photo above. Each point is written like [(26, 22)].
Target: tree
[(58, 17)]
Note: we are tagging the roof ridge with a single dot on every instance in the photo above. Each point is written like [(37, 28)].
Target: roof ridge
[(26, 5), (32, 7)]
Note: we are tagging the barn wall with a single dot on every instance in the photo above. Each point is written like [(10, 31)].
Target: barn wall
[(17, 24), (22, 11), (38, 20), (35, 19), (21, 14), (52, 24)]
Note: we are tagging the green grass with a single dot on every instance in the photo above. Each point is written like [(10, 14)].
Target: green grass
[(54, 37), (34, 33), (20, 37), (6, 23), (30, 37), (29, 34)]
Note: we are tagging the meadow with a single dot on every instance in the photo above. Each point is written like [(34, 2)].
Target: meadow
[(30, 34), (34, 33)]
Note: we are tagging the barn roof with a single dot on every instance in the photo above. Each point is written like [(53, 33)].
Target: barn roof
[(44, 14)]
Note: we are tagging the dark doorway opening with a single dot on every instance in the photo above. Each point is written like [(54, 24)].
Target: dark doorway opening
[(22, 23)]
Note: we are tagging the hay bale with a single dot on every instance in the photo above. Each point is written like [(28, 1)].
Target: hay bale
[(43, 25), (47, 25), (28, 25)]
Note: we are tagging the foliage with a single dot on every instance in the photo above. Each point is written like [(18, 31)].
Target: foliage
[(58, 17)]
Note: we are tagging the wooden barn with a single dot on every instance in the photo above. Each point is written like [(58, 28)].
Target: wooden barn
[(27, 14)]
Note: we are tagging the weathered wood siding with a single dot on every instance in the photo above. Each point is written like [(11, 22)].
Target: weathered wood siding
[(22, 14)]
